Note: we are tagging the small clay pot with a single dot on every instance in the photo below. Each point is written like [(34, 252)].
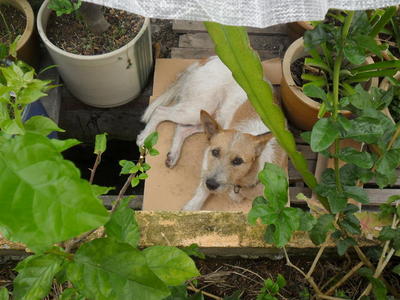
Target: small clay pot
[(296, 29), (301, 110), (27, 47)]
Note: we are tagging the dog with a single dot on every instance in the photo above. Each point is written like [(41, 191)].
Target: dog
[(206, 98)]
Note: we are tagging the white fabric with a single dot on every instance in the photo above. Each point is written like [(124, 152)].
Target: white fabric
[(255, 13)]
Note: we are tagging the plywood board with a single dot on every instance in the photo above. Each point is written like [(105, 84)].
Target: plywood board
[(171, 189)]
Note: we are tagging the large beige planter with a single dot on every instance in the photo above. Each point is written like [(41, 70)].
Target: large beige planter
[(301, 110), (104, 80), (27, 47)]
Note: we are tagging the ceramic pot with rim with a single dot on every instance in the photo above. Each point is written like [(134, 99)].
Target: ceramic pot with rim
[(104, 80), (27, 46), (301, 110)]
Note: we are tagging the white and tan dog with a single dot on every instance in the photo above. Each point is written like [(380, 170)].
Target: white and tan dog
[(206, 98)]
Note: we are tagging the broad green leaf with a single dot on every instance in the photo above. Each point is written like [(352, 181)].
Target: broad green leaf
[(281, 281), (276, 184), (361, 159), (323, 134), (11, 127), (388, 161), (41, 125), (4, 294), (153, 152), (379, 289), (357, 193), (128, 167), (135, 181), (344, 245), (193, 250), (233, 47), (354, 53), (35, 276), (307, 221), (41, 190), (71, 294), (172, 265), (315, 37), (321, 229), (368, 43), (33, 91), (122, 225), (151, 140), (315, 92), (100, 143), (259, 210), (360, 23), (104, 269), (62, 145)]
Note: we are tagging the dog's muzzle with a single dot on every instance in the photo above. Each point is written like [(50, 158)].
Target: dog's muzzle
[(212, 184)]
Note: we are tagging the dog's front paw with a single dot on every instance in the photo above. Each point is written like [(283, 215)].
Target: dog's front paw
[(171, 160), (190, 207)]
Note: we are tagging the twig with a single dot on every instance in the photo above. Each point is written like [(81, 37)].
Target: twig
[(93, 170), (344, 279), (316, 259), (247, 270), (193, 289)]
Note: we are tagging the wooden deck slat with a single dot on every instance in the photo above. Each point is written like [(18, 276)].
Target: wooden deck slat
[(275, 44), (199, 53), (181, 26)]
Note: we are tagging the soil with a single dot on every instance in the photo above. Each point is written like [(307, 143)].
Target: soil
[(12, 23), (222, 277), (297, 68), (71, 34)]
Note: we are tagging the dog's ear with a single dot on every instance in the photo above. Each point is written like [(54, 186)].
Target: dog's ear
[(211, 126), (261, 140)]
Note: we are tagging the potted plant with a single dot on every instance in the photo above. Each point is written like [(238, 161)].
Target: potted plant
[(316, 57), (101, 80), (17, 19)]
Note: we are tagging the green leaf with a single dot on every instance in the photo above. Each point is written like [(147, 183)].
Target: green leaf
[(259, 210), (41, 190), (276, 184), (317, 36), (122, 225), (143, 176), (354, 53), (135, 181), (281, 281), (100, 145), (128, 167), (306, 136), (314, 92), (104, 269), (357, 193), (344, 245), (41, 125), (388, 161), (369, 43), (321, 229), (193, 250), (172, 265), (151, 140), (153, 152), (396, 270), (361, 159), (307, 221), (233, 47), (62, 145), (35, 276), (12, 127), (71, 294), (4, 294), (323, 134)]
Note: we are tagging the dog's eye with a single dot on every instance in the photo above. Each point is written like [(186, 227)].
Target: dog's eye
[(215, 152), (237, 161)]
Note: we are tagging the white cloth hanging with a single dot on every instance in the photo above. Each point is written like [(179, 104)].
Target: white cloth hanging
[(255, 13)]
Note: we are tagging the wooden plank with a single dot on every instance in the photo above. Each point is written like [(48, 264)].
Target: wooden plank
[(181, 26), (294, 176), (275, 44), (199, 53)]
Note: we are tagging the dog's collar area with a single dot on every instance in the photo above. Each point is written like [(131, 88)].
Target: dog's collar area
[(237, 187)]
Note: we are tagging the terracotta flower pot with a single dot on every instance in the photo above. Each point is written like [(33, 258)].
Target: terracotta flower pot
[(297, 29), (104, 80), (301, 110), (27, 47)]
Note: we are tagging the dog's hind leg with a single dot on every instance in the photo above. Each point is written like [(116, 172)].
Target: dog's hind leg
[(181, 133), (179, 114)]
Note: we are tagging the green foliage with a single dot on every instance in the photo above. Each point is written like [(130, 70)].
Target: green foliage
[(271, 288), (193, 250), (282, 221), (122, 225), (61, 7), (378, 287), (180, 293), (35, 276), (4, 294), (38, 186), (100, 145)]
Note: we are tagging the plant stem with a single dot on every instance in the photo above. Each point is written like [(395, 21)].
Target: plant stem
[(344, 278), (93, 170), (316, 259), (6, 25), (193, 289)]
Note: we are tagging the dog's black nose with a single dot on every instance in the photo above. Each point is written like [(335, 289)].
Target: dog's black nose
[(212, 184)]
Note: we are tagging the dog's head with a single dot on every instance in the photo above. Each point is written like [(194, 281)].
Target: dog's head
[(231, 156)]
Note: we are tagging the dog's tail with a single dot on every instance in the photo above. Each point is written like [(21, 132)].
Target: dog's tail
[(169, 96)]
